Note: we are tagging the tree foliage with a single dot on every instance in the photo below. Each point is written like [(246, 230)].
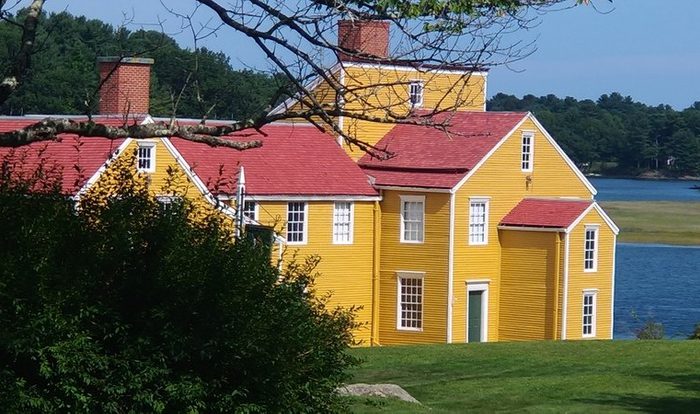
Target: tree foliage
[(63, 78), (120, 305), (615, 129), (299, 40)]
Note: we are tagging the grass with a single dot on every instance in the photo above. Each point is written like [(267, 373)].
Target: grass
[(667, 222), (542, 377)]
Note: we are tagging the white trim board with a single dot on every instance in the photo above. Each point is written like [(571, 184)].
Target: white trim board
[(600, 211), (96, 176), (566, 158), (399, 68), (488, 155), (450, 268), (310, 86), (416, 189), (283, 197)]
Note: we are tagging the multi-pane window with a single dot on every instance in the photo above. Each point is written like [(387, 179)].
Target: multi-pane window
[(250, 210), (296, 222), (342, 222), (146, 157), (589, 313), (415, 93), (410, 301), (478, 221), (590, 249), (526, 151), (412, 219)]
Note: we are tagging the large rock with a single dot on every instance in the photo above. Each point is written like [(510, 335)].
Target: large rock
[(377, 390)]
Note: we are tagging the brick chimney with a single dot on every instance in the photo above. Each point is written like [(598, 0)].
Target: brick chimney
[(126, 90), (367, 37)]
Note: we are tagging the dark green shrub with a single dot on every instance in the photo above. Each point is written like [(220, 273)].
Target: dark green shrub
[(122, 306), (696, 332), (651, 330)]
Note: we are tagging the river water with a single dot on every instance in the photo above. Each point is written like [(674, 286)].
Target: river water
[(654, 282)]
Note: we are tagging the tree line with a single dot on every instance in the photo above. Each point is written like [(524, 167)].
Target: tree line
[(613, 134), (616, 134), (63, 78)]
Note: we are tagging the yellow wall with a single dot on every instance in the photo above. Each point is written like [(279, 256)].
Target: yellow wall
[(345, 270), (529, 286), (580, 280), (168, 178), (501, 179), (429, 257), (372, 91)]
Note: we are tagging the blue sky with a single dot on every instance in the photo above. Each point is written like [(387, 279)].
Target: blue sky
[(648, 49)]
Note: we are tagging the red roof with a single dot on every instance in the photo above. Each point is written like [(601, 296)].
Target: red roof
[(430, 157), (552, 213), (295, 159), (71, 161)]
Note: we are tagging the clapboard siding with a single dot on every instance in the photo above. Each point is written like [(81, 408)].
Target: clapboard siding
[(528, 285), (373, 91), (345, 270), (600, 279), (429, 257)]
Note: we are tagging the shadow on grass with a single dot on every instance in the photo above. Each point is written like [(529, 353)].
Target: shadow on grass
[(687, 402)]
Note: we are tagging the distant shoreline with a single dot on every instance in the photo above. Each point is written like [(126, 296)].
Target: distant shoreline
[(646, 177), (656, 222)]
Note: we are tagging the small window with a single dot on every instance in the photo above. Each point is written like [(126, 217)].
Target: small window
[(410, 301), (415, 93), (166, 202), (478, 221), (590, 249), (296, 223), (526, 153), (250, 210), (412, 220), (342, 222), (146, 156), (589, 313)]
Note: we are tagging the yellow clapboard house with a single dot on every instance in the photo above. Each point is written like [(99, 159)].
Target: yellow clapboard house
[(483, 230), (488, 231)]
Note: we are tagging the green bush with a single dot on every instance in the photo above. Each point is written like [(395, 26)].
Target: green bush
[(696, 332), (123, 306), (651, 330)]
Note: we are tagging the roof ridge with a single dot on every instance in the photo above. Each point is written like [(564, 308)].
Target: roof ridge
[(413, 169)]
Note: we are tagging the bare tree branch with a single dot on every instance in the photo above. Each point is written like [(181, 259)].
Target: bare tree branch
[(299, 40)]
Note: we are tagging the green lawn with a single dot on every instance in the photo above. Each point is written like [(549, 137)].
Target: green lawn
[(540, 377), (665, 222)]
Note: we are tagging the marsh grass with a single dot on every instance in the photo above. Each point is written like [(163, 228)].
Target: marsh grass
[(666, 222)]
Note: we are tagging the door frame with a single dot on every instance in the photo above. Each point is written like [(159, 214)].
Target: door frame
[(478, 286)]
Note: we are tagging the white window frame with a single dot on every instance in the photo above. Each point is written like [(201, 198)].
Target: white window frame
[(152, 159), (527, 157), (305, 224), (470, 238), (336, 223), (254, 211), (420, 93), (594, 261), (412, 199), (476, 286), (593, 294), (399, 303), (166, 201)]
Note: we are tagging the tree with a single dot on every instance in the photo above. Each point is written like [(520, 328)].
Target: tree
[(297, 38), (122, 305)]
